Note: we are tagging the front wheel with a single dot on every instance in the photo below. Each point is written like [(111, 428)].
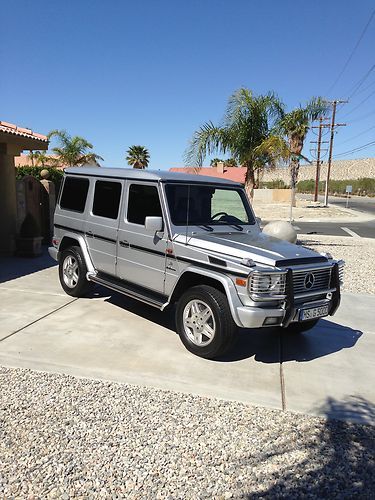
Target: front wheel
[(204, 322), (72, 272)]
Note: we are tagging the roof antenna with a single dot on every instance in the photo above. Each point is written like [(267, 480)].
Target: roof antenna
[(187, 215)]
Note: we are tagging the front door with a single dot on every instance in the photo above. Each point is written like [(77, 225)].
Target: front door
[(141, 254)]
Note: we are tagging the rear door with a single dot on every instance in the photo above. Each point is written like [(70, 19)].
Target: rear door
[(102, 223), (141, 254)]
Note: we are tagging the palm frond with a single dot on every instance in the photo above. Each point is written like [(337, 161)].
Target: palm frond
[(207, 140)]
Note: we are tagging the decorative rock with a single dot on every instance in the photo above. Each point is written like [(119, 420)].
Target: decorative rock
[(45, 174), (282, 230)]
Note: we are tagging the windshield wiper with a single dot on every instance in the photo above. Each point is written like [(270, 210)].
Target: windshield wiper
[(236, 226), (205, 226)]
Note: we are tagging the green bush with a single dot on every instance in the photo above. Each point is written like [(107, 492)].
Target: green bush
[(55, 175), (277, 184), (363, 186)]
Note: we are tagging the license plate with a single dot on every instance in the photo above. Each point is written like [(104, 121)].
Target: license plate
[(314, 312)]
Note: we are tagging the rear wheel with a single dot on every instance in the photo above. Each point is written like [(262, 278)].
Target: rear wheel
[(72, 272), (204, 322), (304, 326)]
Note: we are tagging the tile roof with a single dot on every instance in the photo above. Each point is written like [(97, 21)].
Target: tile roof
[(236, 174), (10, 128)]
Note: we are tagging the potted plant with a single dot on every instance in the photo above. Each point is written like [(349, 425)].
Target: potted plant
[(29, 241)]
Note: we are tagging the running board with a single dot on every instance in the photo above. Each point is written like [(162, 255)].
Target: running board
[(154, 299)]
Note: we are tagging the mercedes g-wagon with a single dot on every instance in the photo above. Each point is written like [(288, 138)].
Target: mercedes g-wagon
[(192, 242)]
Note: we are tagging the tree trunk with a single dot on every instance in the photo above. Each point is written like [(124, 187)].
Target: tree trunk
[(294, 168), (250, 182)]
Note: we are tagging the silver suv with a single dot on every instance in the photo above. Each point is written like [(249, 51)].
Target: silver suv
[(191, 241)]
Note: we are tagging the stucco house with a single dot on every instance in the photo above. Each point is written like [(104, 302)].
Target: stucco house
[(236, 174), (13, 140)]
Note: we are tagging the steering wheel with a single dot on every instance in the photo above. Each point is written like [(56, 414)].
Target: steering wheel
[(219, 213)]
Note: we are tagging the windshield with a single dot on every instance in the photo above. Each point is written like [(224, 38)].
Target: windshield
[(199, 204)]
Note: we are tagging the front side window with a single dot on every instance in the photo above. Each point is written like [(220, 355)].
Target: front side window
[(143, 202), (107, 199), (207, 205), (74, 194)]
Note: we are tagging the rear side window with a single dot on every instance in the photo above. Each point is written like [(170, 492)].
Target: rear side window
[(74, 194), (143, 202), (106, 199)]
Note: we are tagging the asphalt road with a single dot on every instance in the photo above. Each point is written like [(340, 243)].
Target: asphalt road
[(351, 229)]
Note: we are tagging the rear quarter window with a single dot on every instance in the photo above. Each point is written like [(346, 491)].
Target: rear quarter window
[(74, 194)]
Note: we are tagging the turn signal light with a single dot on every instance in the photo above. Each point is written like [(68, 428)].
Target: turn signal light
[(241, 282)]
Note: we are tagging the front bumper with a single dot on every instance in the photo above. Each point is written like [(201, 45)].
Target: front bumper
[(256, 317), (54, 253)]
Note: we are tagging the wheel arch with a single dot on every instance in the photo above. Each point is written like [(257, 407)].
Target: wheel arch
[(72, 239), (197, 276)]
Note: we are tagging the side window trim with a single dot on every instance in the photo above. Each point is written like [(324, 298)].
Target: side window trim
[(119, 205), (132, 182), (68, 179)]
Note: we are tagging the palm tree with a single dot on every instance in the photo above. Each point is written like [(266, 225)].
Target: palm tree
[(138, 157), (295, 125), (39, 158), (215, 161), (245, 133), (73, 151)]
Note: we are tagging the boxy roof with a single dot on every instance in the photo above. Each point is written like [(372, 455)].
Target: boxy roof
[(146, 175)]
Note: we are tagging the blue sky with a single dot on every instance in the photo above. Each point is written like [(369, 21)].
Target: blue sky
[(150, 72)]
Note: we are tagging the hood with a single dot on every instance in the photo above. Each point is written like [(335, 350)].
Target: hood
[(263, 249)]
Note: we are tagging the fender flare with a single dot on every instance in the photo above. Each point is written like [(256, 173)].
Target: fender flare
[(225, 280), (82, 243)]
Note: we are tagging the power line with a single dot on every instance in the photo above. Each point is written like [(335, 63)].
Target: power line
[(364, 146), (357, 135), (352, 52), (360, 82), (360, 104), (363, 116)]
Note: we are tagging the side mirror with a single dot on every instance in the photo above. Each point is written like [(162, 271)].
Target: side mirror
[(153, 224), (259, 220)]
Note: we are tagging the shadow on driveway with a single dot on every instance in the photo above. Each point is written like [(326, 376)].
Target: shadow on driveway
[(15, 267), (324, 339)]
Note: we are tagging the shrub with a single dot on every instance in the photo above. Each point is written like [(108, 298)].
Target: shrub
[(55, 175), (363, 186)]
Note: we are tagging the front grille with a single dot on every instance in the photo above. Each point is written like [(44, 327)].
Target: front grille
[(311, 281)]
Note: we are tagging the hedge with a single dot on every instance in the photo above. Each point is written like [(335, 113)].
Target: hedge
[(55, 175), (363, 186)]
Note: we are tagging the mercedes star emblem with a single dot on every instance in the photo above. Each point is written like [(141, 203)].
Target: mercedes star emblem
[(309, 281)]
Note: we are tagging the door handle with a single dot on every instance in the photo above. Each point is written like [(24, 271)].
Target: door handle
[(89, 234), (124, 243)]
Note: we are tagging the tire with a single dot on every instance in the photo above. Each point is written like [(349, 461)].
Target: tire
[(72, 272), (207, 335), (304, 326)]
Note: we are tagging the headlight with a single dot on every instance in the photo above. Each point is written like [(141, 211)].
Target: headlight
[(266, 285)]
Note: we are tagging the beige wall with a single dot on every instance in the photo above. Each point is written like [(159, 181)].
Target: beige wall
[(8, 208), (272, 195), (340, 170)]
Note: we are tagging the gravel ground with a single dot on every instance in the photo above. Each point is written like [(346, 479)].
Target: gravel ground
[(63, 437), (359, 256), (304, 210)]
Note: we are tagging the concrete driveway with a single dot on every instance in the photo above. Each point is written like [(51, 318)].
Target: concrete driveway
[(327, 371)]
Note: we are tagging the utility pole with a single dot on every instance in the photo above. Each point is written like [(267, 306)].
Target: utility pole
[(333, 125), (319, 142)]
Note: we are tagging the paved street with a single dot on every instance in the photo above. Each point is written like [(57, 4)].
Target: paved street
[(350, 229), (362, 229), (328, 370)]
